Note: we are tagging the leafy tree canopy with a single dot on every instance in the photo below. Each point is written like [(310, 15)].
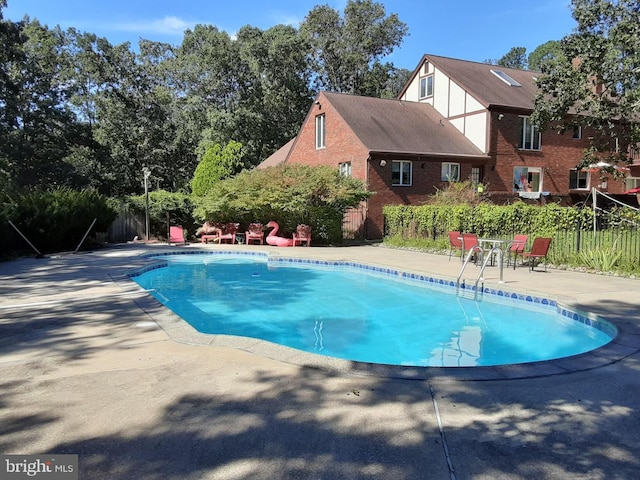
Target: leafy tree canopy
[(217, 164), (546, 52), (595, 80), (344, 51)]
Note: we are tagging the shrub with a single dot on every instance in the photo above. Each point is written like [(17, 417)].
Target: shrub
[(175, 207), (56, 220), (287, 194)]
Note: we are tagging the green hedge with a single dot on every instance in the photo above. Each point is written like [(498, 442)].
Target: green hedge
[(614, 247), (486, 220), (53, 220)]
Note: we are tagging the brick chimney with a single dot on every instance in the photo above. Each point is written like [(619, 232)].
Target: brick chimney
[(596, 83)]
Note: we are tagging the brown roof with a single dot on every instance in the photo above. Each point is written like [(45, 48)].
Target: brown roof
[(395, 126), (280, 156), (487, 88)]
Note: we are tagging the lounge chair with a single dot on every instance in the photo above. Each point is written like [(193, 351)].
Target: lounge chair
[(539, 249), (254, 232), (176, 235), (210, 231), (302, 234)]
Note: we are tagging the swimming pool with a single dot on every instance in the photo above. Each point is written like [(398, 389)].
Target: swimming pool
[(366, 314)]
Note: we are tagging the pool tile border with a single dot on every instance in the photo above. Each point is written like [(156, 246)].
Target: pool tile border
[(184, 332)]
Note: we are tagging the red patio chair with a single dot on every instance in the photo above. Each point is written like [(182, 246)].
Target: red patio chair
[(470, 242), (455, 242), (539, 249), (229, 233), (517, 248), (176, 235), (254, 232), (302, 234)]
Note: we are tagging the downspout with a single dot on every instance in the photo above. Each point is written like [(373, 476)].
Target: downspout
[(366, 202)]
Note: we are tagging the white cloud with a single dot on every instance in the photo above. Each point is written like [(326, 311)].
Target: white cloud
[(166, 26)]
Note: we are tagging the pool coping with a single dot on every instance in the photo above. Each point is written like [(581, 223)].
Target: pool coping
[(179, 330)]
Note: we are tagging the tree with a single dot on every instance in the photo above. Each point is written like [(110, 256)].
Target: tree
[(514, 58), (343, 51), (37, 125), (544, 53), (217, 164), (595, 81)]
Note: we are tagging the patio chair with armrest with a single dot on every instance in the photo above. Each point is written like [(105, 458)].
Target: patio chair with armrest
[(254, 232), (302, 234), (229, 233), (539, 249)]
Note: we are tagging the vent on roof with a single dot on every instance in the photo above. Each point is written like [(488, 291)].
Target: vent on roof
[(505, 78)]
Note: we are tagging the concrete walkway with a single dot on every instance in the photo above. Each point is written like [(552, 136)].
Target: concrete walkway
[(90, 365)]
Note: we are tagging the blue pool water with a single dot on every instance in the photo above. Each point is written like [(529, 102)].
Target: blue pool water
[(363, 315)]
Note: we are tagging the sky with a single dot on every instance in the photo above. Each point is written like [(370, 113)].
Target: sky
[(473, 30)]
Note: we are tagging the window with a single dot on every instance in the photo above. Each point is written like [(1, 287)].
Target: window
[(578, 179), (345, 169), (529, 135), (401, 173), (577, 132), (320, 131), (476, 175), (450, 172), (527, 179), (426, 86)]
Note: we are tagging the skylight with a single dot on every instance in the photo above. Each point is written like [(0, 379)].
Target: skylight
[(505, 78)]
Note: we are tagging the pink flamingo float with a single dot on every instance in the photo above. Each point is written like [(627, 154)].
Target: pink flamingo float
[(272, 239)]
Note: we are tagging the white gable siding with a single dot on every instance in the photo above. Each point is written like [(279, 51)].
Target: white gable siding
[(476, 129), (440, 92), (451, 100), (456, 101), (412, 93)]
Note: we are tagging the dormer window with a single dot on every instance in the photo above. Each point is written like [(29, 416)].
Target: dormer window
[(426, 86)]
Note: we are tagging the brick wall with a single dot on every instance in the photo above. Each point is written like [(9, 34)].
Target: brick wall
[(341, 145), (558, 155)]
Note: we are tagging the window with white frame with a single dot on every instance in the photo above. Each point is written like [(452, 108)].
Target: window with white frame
[(320, 131), (426, 86), (527, 179), (578, 179), (450, 172), (345, 169), (529, 135), (401, 172)]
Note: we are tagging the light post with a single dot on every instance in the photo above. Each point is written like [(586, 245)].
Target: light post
[(147, 174)]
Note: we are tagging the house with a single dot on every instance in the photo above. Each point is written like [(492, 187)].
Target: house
[(454, 120)]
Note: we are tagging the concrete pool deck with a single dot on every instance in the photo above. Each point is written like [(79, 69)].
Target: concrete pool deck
[(90, 365)]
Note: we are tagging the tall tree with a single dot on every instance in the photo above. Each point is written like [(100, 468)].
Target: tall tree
[(514, 58), (544, 53), (343, 51), (38, 126), (595, 82)]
